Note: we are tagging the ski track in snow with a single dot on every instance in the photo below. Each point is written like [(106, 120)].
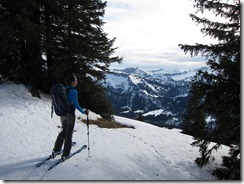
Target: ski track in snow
[(144, 153)]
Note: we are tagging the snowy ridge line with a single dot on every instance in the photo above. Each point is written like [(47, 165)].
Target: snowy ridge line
[(158, 89)]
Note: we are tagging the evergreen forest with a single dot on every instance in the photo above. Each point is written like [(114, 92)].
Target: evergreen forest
[(42, 41)]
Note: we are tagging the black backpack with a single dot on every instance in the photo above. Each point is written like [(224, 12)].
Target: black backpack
[(60, 100)]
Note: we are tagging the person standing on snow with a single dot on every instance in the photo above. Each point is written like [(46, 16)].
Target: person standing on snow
[(68, 121)]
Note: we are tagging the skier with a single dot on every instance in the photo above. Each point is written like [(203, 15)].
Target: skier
[(68, 121)]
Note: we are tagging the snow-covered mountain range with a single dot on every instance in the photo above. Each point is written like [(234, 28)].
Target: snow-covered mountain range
[(159, 96)]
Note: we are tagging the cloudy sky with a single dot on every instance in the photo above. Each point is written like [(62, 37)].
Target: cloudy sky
[(148, 33)]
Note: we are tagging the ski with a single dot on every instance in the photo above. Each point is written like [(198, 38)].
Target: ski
[(43, 161), (50, 157), (71, 155)]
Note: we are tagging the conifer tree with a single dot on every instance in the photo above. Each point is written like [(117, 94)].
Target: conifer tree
[(43, 41), (20, 57), (213, 112), (75, 43)]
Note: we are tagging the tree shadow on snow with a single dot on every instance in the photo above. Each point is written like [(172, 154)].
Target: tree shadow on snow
[(16, 169)]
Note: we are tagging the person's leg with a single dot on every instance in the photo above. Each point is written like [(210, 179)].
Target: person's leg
[(60, 139), (70, 123)]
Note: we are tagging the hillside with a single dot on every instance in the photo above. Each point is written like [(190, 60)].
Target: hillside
[(160, 96), (145, 152)]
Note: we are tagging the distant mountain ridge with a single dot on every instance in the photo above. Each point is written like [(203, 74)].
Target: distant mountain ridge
[(159, 96)]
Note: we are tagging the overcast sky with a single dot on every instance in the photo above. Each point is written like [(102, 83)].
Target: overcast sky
[(148, 33)]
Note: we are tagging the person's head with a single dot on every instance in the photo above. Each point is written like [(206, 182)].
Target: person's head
[(72, 80)]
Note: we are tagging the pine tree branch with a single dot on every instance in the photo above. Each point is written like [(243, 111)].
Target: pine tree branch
[(221, 9)]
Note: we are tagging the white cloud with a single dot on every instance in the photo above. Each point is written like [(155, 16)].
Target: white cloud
[(148, 31)]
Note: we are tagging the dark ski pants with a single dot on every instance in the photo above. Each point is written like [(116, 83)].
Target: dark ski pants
[(65, 136)]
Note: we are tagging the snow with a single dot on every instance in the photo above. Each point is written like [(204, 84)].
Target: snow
[(158, 112), (117, 81), (135, 79), (184, 76), (151, 86), (148, 94), (146, 152), (139, 111), (176, 75)]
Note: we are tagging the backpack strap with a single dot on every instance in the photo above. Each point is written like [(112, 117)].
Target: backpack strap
[(69, 88), (72, 107)]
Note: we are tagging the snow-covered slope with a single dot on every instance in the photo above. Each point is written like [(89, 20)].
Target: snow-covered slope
[(144, 153)]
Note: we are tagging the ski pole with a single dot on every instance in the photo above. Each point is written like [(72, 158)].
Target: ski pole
[(87, 123)]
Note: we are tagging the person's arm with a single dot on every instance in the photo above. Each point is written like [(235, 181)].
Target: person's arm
[(74, 95)]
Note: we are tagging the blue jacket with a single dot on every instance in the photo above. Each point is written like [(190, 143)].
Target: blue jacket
[(73, 98)]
